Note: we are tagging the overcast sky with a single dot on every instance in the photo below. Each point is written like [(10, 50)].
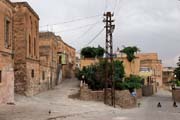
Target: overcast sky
[(151, 25)]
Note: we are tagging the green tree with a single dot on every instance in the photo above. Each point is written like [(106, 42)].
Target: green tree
[(99, 51), (95, 74), (132, 82), (92, 52), (130, 52), (177, 70), (88, 52)]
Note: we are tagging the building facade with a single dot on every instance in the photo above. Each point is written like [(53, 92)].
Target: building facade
[(152, 65), (146, 65), (168, 75), (24, 68), (67, 58), (26, 49), (6, 52), (48, 60)]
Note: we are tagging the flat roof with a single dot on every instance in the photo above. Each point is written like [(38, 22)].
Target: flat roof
[(26, 4)]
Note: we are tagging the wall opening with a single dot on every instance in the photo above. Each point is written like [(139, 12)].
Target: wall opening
[(32, 73)]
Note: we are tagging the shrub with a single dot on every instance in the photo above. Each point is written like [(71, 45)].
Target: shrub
[(130, 83), (95, 74)]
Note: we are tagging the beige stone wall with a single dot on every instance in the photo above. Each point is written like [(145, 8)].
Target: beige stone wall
[(67, 69), (122, 98), (6, 61), (130, 68), (87, 62), (168, 75), (48, 59), (146, 56), (33, 83), (44, 82), (139, 93), (26, 49), (7, 78), (176, 95)]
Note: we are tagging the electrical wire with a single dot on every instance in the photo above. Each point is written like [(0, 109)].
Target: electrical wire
[(70, 21), (79, 27), (94, 38), (84, 33)]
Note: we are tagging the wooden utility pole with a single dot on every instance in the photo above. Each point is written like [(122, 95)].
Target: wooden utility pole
[(109, 78)]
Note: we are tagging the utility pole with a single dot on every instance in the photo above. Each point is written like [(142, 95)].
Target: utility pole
[(109, 78)]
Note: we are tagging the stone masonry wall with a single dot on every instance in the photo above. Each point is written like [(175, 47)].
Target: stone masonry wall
[(176, 94), (33, 82), (7, 79), (6, 54), (139, 93), (26, 49), (20, 53), (123, 98), (44, 83)]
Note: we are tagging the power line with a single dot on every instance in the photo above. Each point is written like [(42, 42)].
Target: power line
[(70, 21), (90, 28), (94, 38), (79, 27)]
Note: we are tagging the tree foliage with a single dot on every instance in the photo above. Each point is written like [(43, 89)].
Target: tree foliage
[(131, 83), (177, 70), (92, 52), (95, 74), (130, 52)]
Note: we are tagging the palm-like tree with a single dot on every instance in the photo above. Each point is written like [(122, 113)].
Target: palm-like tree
[(130, 52)]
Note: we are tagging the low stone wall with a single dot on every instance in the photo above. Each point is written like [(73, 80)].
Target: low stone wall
[(123, 98), (139, 93), (147, 90), (176, 94)]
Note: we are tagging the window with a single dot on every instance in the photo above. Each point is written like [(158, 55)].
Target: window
[(43, 75), (31, 23), (29, 45), (34, 46), (60, 59), (0, 76), (7, 33), (32, 73)]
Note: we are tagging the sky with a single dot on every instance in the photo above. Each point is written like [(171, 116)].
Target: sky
[(151, 25)]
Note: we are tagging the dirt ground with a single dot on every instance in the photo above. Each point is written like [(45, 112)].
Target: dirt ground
[(56, 105)]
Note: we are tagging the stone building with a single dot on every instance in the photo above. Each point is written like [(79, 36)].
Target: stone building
[(26, 49), (151, 62), (66, 58), (146, 65), (6, 52), (168, 74), (48, 45)]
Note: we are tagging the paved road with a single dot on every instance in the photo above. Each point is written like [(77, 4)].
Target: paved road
[(64, 108)]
